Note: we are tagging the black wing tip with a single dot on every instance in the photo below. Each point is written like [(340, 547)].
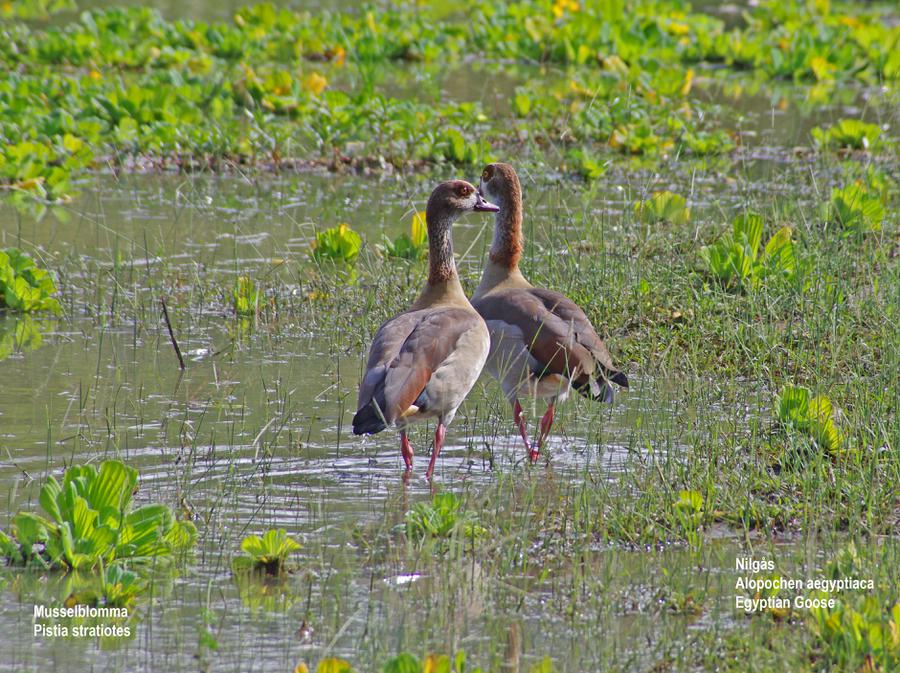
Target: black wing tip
[(367, 421), (620, 378), (606, 390)]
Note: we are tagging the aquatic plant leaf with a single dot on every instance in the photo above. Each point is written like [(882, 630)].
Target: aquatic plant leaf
[(820, 408), (245, 296), (663, 206), (410, 246), (779, 252), (810, 415), (334, 665), (253, 545), (120, 586), (182, 535), (545, 665), (35, 9), (50, 492), (273, 547), (10, 550), (112, 486), (441, 518), (338, 244), (821, 423), (793, 405), (437, 663), (827, 435), (23, 286), (747, 230), (456, 145), (82, 535), (29, 529), (689, 500), (857, 209), (142, 532), (588, 165), (83, 518), (850, 133), (403, 663), (717, 260), (419, 229), (522, 104)]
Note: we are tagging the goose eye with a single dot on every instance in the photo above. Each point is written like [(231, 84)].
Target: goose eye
[(486, 175)]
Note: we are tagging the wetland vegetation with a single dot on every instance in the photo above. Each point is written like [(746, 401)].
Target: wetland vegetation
[(716, 186)]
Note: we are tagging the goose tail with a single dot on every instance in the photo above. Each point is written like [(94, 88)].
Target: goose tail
[(368, 420), (601, 388)]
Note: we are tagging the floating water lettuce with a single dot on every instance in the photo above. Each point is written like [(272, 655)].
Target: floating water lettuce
[(19, 333), (413, 245), (245, 296), (849, 133), (268, 552), (689, 512), (861, 628), (337, 244), (441, 663), (857, 209), (441, 518), (639, 137), (126, 86), (328, 665), (90, 523), (812, 415), (734, 259), (589, 165), (34, 9), (23, 286), (663, 206)]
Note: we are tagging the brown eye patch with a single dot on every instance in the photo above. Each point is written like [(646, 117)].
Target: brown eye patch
[(487, 173), (463, 190)]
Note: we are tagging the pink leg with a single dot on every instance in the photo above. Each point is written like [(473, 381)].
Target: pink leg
[(406, 450), (523, 430), (438, 445), (546, 424)]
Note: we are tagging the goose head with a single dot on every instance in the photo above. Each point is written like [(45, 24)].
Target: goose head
[(447, 202), (451, 199), (500, 184)]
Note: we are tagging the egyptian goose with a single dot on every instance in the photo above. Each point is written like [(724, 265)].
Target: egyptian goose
[(542, 343), (424, 362)]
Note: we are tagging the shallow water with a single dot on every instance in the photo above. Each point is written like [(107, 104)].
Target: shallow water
[(255, 434)]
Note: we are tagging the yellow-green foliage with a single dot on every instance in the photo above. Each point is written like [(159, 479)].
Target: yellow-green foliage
[(856, 208), (126, 82), (850, 133), (861, 633), (413, 245), (245, 296), (734, 259), (23, 286), (663, 206), (808, 414), (90, 523), (271, 550), (337, 244)]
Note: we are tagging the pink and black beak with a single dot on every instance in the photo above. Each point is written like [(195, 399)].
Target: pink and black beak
[(482, 206)]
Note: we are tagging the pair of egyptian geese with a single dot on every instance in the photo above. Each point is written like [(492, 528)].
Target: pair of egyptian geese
[(424, 362)]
